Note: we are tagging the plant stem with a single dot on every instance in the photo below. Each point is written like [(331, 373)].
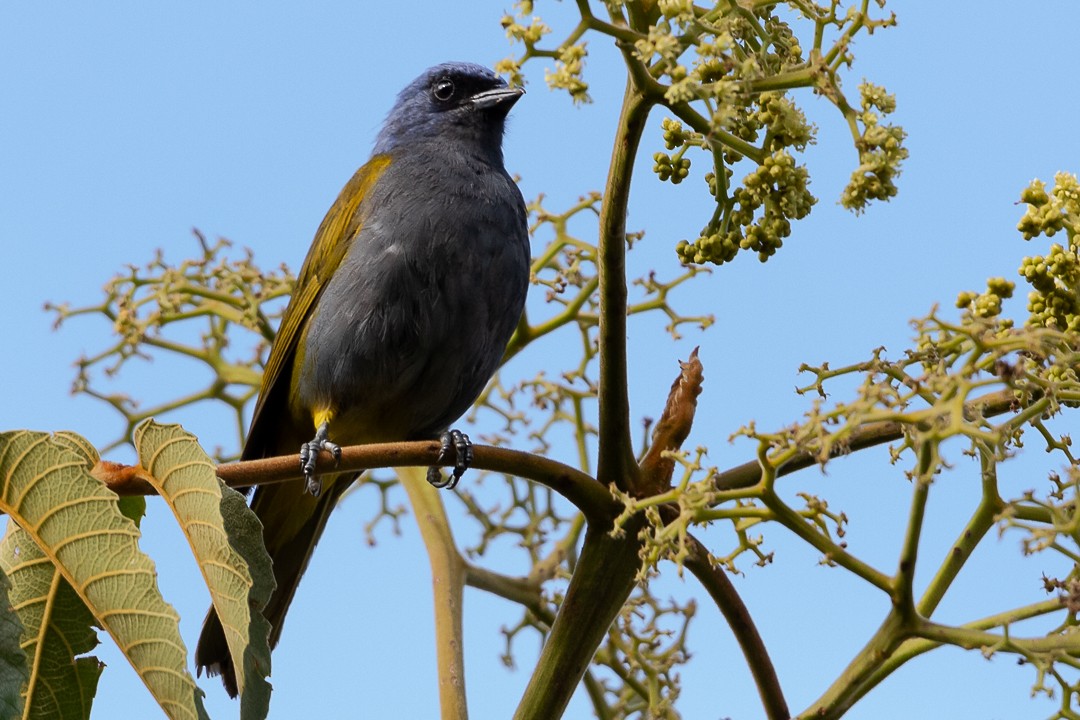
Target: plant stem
[(605, 573), (914, 647), (853, 682), (903, 595), (749, 474), (579, 488), (603, 579), (448, 572), (980, 523), (615, 462), (723, 593)]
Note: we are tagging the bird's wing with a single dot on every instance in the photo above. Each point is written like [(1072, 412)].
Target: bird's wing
[(332, 240)]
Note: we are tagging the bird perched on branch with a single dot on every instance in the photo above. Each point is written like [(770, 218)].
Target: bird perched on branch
[(401, 313)]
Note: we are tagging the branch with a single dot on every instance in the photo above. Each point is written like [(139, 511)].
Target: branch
[(748, 474), (903, 594), (615, 463), (605, 572), (834, 552), (716, 583), (969, 538), (914, 647), (594, 501), (853, 682), (602, 580), (523, 591), (448, 573)]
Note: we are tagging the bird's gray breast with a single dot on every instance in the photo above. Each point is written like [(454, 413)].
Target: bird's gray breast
[(416, 318)]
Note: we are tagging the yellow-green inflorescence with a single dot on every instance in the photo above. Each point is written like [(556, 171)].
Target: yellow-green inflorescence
[(723, 74), (989, 303), (738, 80), (881, 151), (772, 195), (1055, 277)]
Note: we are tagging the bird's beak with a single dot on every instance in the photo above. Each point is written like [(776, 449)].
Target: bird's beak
[(496, 97)]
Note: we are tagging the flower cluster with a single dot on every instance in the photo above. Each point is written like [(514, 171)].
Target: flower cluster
[(725, 74), (771, 196), (881, 151), (567, 74), (1055, 277), (987, 304)]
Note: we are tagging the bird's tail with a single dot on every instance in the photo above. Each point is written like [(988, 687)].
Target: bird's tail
[(293, 520)]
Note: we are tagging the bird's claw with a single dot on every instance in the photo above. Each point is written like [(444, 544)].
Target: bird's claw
[(309, 453), (463, 456)]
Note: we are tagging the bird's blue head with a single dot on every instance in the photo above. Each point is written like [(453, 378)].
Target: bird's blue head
[(453, 102)]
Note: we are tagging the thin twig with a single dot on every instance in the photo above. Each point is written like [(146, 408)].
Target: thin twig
[(749, 474)]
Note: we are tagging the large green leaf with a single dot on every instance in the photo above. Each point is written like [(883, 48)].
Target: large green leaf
[(232, 556), (57, 629), (14, 671), (75, 522)]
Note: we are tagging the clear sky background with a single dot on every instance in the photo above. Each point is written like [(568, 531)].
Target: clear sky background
[(122, 127)]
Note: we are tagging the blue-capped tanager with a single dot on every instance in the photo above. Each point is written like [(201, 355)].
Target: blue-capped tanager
[(401, 313)]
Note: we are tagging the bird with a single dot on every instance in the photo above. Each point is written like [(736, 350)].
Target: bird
[(402, 310)]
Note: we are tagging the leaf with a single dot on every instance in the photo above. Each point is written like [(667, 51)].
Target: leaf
[(246, 536), (56, 629), (14, 671), (77, 443), (47, 489), (184, 475)]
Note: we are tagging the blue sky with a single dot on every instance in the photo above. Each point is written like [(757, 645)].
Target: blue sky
[(122, 127)]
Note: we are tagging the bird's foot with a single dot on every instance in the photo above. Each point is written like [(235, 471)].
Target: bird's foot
[(309, 452), (463, 455)]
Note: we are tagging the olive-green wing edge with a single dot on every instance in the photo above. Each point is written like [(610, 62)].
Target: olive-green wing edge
[(332, 241)]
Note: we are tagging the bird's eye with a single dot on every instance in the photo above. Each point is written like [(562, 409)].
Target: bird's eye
[(443, 89)]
